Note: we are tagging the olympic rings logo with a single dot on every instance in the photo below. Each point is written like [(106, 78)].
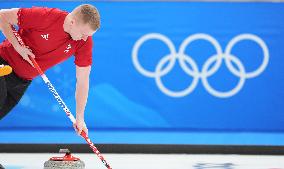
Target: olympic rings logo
[(205, 72)]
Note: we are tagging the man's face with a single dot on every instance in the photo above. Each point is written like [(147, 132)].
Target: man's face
[(80, 31)]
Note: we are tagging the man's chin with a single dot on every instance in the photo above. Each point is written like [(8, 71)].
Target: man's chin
[(75, 39)]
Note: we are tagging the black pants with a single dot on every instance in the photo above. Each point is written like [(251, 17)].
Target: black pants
[(12, 88)]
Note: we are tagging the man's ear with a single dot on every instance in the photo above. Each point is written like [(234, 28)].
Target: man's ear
[(72, 22)]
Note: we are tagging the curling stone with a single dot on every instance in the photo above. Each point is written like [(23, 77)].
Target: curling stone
[(66, 162)]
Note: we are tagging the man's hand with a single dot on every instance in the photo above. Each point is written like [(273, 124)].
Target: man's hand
[(80, 126), (25, 53)]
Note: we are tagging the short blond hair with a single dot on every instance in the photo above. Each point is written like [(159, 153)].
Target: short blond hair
[(88, 14)]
